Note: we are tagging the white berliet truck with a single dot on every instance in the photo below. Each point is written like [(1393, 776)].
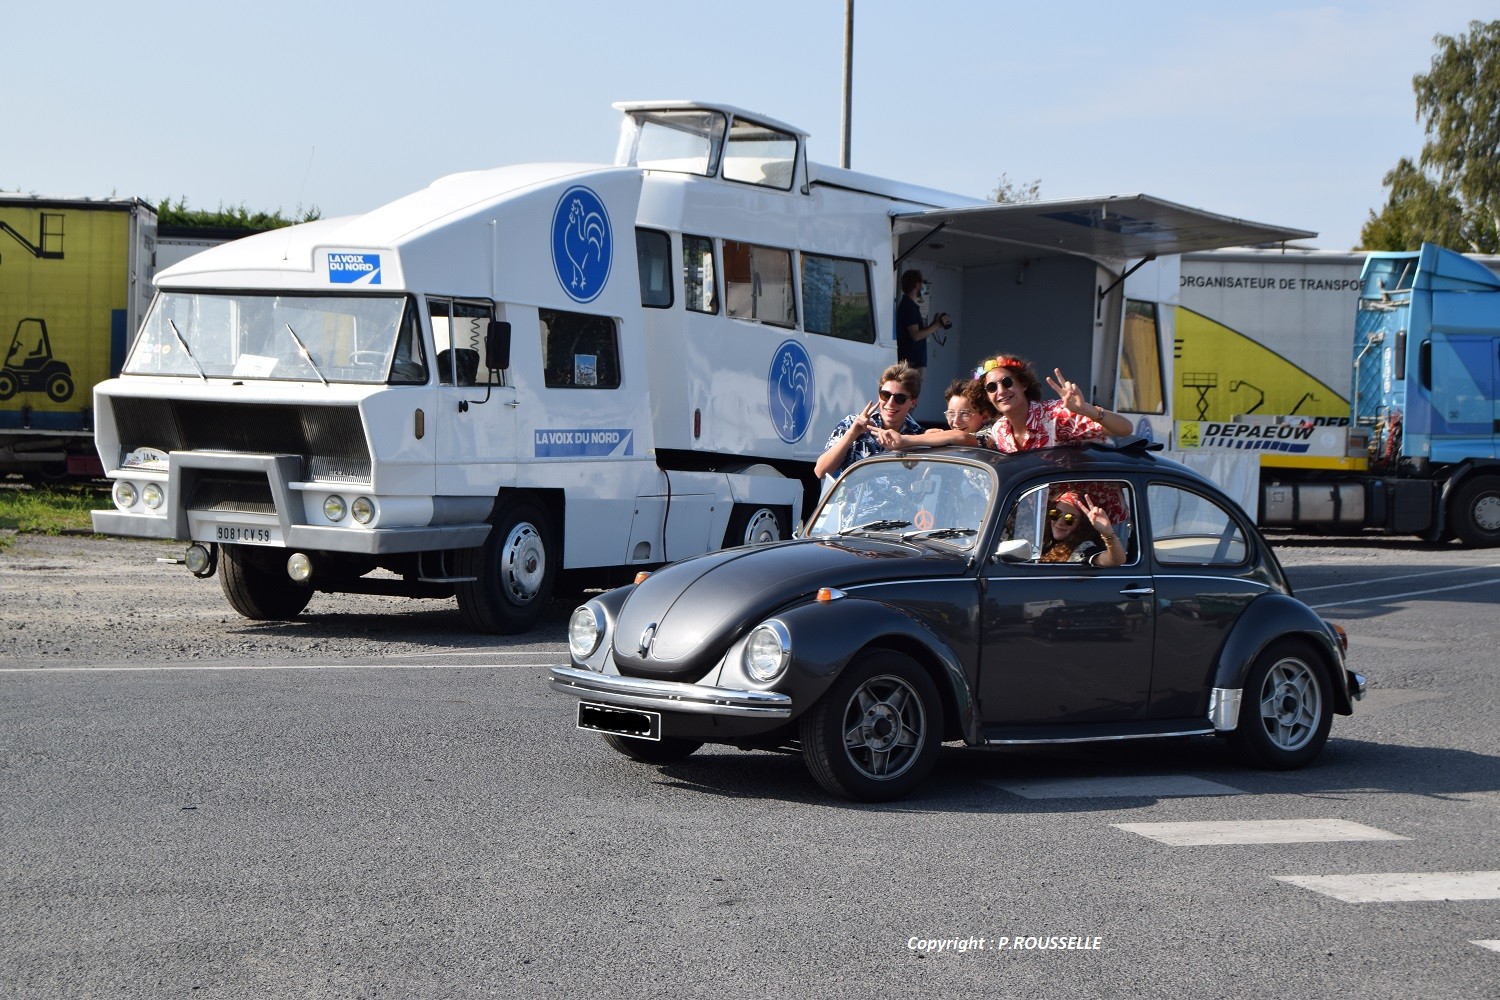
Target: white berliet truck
[(480, 390)]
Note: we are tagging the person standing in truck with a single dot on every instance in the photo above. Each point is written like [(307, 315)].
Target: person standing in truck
[(911, 330), (879, 426)]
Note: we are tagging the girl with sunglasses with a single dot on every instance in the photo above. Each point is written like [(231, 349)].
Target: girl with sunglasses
[(1027, 423), (1080, 531)]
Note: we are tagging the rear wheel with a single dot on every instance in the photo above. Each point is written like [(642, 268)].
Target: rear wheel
[(257, 588), (513, 572), (874, 735), (1286, 710), (1475, 512), (662, 751), (754, 524)]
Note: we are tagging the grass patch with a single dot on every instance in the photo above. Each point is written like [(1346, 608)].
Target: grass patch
[(50, 510)]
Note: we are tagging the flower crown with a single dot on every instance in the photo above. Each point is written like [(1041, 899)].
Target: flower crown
[(1003, 361)]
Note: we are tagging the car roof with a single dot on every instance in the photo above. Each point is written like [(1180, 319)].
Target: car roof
[(1086, 460)]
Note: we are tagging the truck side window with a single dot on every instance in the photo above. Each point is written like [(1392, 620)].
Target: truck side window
[(458, 329), (1140, 360), (700, 282), (758, 284), (836, 298), (653, 253), (759, 154), (409, 366), (579, 351)]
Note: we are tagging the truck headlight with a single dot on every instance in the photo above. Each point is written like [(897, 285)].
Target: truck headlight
[(584, 633), (768, 651), (333, 508), (152, 496), (125, 495), (363, 509)]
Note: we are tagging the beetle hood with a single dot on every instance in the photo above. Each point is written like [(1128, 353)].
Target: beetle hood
[(694, 609)]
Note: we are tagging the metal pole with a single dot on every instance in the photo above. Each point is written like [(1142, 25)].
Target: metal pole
[(848, 80)]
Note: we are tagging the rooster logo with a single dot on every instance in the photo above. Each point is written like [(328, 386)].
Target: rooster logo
[(581, 241), (790, 391)]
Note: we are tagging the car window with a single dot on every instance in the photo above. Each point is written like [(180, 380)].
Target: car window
[(1053, 522), (945, 500), (1188, 529)]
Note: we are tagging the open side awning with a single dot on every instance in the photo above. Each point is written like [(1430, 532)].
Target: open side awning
[(1109, 230)]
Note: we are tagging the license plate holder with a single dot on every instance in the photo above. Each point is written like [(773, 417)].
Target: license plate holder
[(634, 722)]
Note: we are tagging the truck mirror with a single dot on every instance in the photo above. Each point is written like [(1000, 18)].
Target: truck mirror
[(497, 345)]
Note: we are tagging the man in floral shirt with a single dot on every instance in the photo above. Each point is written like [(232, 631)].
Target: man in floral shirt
[(876, 428)]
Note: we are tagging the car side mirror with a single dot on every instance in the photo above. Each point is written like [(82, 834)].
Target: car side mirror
[(497, 345), (1016, 550)]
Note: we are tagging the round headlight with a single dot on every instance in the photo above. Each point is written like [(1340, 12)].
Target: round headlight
[(299, 567), (363, 509), (152, 495), (333, 508), (768, 651), (125, 495), (584, 633)]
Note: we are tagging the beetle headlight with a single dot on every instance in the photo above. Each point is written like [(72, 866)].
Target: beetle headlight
[(768, 651), (363, 509), (333, 508), (125, 495), (584, 633)]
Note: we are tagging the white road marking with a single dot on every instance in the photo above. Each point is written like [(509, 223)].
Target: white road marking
[(1405, 594), (1399, 887), (1491, 945), (1271, 831), (1145, 786), (166, 668), (1389, 579)]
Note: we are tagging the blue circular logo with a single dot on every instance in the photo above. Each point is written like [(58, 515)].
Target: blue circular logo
[(582, 244), (790, 391)]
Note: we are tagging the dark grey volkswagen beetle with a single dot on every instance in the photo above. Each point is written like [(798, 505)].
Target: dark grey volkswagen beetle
[(919, 608)]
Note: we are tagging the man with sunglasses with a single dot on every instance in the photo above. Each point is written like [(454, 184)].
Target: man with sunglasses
[(879, 426)]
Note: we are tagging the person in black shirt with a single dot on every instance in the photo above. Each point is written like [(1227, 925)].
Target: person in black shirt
[(911, 331)]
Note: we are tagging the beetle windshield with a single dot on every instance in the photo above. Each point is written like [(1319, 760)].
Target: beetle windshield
[(944, 500), (300, 338)]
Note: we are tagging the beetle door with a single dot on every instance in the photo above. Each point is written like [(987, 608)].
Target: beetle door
[(1066, 641)]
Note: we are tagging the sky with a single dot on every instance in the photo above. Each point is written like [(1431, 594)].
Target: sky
[(1278, 112)]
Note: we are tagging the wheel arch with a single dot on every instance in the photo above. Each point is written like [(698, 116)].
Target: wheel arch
[(1273, 617)]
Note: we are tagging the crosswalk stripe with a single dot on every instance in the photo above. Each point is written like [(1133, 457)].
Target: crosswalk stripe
[(1273, 831), (1142, 786), (1401, 887)]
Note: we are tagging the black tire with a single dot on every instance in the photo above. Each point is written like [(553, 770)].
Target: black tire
[(257, 587), (59, 388), (662, 751), (1286, 709), (7, 385), (890, 709), (757, 524), (1474, 512), (513, 572)]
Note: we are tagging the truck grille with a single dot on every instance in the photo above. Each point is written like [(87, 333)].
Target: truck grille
[(238, 492), (330, 439)]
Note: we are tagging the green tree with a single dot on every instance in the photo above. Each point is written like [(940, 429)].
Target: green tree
[(1009, 192), (170, 213), (1453, 198)]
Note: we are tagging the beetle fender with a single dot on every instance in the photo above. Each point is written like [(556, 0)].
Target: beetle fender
[(1275, 616), (827, 635)]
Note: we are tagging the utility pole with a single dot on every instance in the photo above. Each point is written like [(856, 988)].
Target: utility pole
[(848, 80)]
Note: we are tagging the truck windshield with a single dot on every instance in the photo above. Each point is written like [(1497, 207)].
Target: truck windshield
[(244, 335)]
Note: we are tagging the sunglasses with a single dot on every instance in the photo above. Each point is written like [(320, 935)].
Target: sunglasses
[(1005, 383), (957, 414), (1056, 515), (887, 396)]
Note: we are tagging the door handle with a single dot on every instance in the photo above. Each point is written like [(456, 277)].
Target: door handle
[(1137, 591)]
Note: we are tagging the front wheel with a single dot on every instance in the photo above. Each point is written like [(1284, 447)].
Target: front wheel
[(874, 735), (1475, 512), (1286, 711), (662, 751), (257, 588), (513, 572)]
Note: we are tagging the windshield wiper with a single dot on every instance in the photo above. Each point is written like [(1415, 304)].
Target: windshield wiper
[(306, 356), (888, 524), (940, 533), (186, 349)]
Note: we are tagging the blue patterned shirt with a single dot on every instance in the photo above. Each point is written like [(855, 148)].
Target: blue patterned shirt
[(866, 444)]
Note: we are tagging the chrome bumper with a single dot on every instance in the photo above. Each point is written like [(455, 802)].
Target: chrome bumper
[(1357, 685), (669, 696)]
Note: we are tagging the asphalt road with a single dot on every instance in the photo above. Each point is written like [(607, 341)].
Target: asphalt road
[(370, 802)]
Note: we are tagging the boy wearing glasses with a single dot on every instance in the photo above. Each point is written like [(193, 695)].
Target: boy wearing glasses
[(877, 428)]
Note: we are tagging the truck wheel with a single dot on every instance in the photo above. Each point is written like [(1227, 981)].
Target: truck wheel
[(513, 572), (751, 524), (873, 736), (7, 385), (1286, 709), (257, 588), (1475, 512), (59, 388), (662, 751)]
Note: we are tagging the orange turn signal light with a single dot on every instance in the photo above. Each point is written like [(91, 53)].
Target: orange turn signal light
[(641, 576)]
